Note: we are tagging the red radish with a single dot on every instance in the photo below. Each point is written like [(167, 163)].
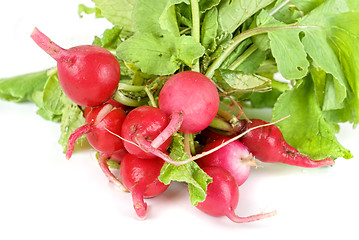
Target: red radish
[(268, 145), (98, 122), (144, 123), (88, 74), (191, 99), (141, 128), (223, 196), (192, 94), (140, 176), (234, 157)]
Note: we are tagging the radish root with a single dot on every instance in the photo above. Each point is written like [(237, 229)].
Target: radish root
[(146, 146), (103, 159)]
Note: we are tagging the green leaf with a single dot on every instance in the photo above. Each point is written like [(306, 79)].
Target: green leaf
[(188, 50), (52, 95), (319, 35), (42, 112), (160, 55), (209, 27), (324, 56), (333, 47), (111, 38), (267, 99), (157, 19), (118, 12), (289, 53), (205, 5), (286, 47), (306, 129), (237, 53), (21, 88), (295, 10), (232, 13), (168, 18), (153, 55), (89, 10), (235, 80), (319, 78), (72, 118), (189, 173), (216, 49)]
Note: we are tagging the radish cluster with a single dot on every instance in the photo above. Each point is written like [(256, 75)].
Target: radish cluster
[(138, 139)]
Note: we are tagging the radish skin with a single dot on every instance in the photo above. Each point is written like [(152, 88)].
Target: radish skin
[(193, 95), (88, 74), (268, 145), (147, 122), (140, 176), (223, 196), (233, 157)]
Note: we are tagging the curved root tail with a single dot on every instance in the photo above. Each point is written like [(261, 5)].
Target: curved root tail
[(232, 216), (76, 134), (103, 158)]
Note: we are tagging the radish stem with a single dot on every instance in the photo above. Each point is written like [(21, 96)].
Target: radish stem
[(103, 159), (121, 98), (76, 135), (150, 96), (195, 28), (187, 147), (243, 57), (45, 43), (172, 127), (146, 146)]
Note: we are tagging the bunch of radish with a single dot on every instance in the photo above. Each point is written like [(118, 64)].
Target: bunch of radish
[(139, 138)]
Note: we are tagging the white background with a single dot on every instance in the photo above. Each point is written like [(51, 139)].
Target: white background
[(45, 196)]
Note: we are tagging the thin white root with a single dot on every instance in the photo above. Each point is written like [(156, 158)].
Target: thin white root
[(200, 155), (123, 138)]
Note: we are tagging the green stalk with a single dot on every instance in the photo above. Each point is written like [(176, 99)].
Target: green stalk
[(196, 34), (221, 124), (121, 98), (192, 145), (130, 88), (150, 96), (243, 57), (274, 11)]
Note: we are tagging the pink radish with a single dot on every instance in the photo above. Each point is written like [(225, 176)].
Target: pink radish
[(98, 122), (140, 176), (191, 99), (223, 196), (88, 74), (268, 145), (234, 157), (141, 126)]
